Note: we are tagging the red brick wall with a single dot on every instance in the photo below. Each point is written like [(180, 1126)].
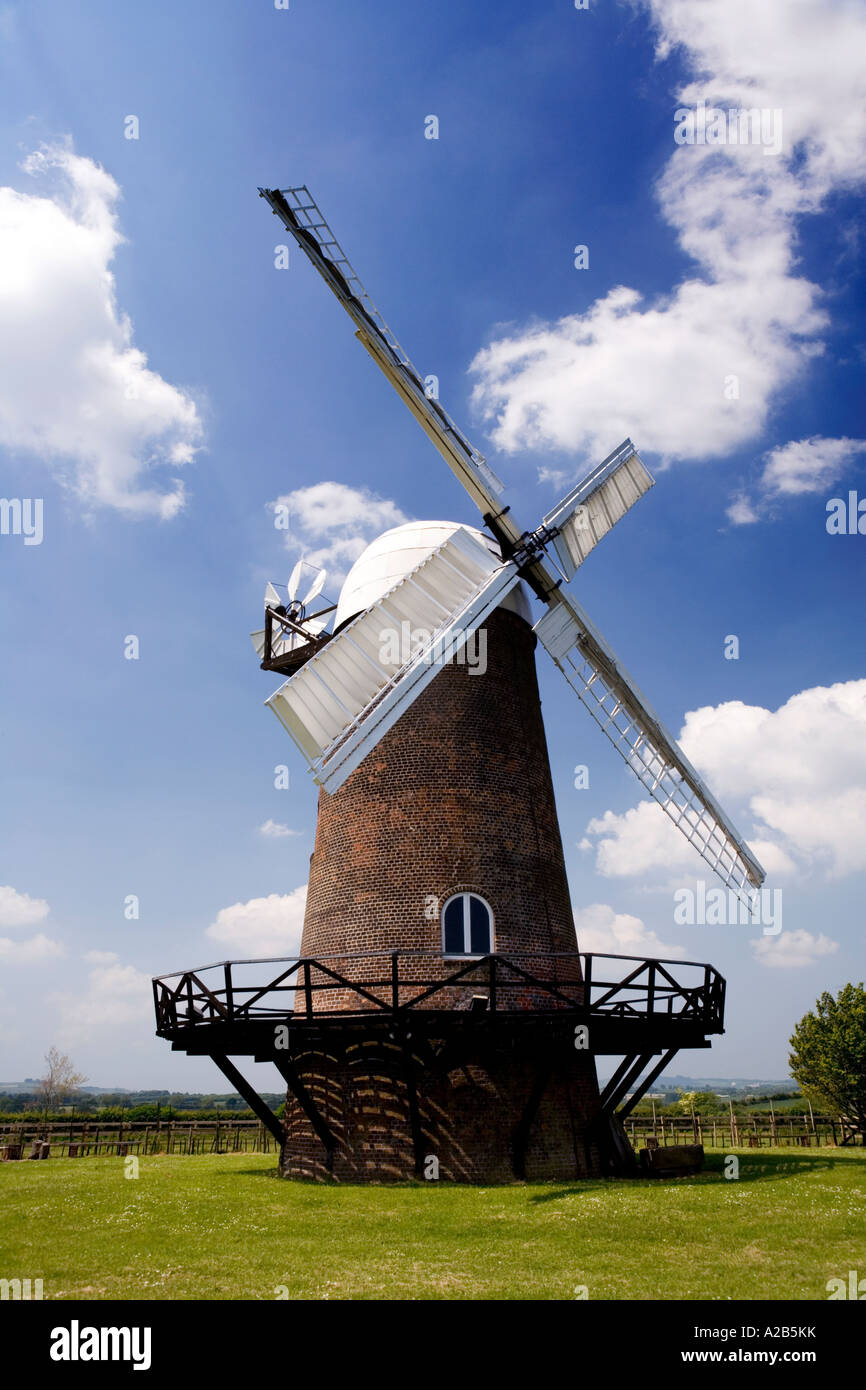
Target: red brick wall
[(468, 1115), (458, 795)]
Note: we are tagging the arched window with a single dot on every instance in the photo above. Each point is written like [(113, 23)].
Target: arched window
[(467, 926)]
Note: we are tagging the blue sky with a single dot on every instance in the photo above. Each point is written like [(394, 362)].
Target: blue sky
[(154, 777)]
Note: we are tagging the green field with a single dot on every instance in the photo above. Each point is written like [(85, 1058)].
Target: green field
[(224, 1227)]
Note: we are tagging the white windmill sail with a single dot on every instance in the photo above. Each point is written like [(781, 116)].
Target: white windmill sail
[(304, 220), (597, 504), (635, 730), (294, 580), (346, 697), (315, 588)]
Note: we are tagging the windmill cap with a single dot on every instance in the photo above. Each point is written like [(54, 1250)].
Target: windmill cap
[(395, 554)]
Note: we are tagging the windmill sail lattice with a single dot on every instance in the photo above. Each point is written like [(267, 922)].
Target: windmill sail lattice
[(588, 512), (303, 218), (635, 730)]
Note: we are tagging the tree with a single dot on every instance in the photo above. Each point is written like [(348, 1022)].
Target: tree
[(698, 1102), (60, 1080), (686, 1101), (828, 1052)]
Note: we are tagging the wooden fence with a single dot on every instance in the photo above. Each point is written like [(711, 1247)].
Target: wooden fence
[(785, 1130), (139, 1136), (248, 1136)]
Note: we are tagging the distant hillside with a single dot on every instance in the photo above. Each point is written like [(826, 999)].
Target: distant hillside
[(22, 1096), (717, 1083), (30, 1083), (735, 1087), (90, 1097)]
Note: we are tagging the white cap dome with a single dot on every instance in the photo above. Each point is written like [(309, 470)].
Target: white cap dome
[(396, 553)]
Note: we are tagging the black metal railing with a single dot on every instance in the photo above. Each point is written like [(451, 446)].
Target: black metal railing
[(346, 986)]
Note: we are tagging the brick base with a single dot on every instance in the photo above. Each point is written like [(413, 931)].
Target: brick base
[(470, 1113)]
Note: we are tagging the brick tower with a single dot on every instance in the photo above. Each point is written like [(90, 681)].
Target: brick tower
[(447, 830), (437, 1021)]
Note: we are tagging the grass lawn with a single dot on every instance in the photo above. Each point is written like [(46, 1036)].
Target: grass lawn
[(225, 1227)]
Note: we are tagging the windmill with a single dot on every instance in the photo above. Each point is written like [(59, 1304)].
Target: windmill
[(339, 707), (439, 1019), (290, 633)]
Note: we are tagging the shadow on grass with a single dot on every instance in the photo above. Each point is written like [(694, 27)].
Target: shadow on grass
[(270, 1173), (753, 1167)]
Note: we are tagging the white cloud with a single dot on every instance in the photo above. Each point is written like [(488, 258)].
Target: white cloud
[(742, 511), (19, 909), (273, 830), (660, 371), (801, 466), (268, 926), (808, 465), (74, 391), (801, 770), (331, 523), (37, 948), (557, 477), (637, 842), (101, 957), (602, 930), (644, 841), (792, 950), (117, 996)]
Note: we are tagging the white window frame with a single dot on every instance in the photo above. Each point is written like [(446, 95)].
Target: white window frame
[(467, 954)]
